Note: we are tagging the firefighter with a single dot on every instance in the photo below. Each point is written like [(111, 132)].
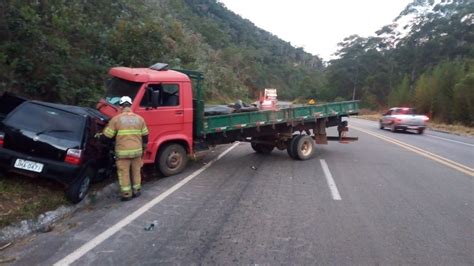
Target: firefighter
[(131, 138)]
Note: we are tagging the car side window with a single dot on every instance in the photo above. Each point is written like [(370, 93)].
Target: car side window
[(169, 95)]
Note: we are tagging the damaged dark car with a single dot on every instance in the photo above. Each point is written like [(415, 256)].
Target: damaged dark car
[(58, 142)]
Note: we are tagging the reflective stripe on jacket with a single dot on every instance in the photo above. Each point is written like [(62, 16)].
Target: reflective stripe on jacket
[(128, 129)]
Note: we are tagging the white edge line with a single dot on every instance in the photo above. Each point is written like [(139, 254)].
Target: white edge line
[(332, 185), (460, 142), (78, 253)]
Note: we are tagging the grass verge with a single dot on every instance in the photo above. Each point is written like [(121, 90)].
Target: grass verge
[(26, 198), (23, 197)]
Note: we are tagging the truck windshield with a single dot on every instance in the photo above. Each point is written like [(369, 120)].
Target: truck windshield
[(117, 87)]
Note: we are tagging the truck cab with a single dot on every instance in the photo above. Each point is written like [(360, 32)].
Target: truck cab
[(178, 125), (164, 99)]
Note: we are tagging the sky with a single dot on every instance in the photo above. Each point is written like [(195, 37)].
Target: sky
[(318, 25)]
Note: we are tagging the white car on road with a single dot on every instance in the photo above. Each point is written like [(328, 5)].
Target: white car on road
[(403, 118)]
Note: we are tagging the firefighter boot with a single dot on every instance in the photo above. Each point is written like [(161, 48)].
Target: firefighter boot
[(136, 164)]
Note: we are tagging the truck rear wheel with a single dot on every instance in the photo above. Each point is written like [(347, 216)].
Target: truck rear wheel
[(171, 159), (263, 145), (262, 148), (290, 147), (303, 147)]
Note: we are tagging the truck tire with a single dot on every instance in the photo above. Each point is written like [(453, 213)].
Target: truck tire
[(171, 159), (77, 191), (262, 148), (290, 147), (303, 147), (254, 146)]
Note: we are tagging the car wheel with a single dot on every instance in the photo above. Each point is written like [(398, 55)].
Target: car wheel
[(77, 191), (392, 128), (171, 159), (380, 125), (420, 131)]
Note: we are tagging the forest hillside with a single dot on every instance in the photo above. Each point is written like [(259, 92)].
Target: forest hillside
[(59, 50)]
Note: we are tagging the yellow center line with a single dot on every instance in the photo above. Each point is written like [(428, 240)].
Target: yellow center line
[(455, 165)]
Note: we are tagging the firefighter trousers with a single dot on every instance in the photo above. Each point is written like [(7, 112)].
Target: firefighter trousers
[(124, 165)]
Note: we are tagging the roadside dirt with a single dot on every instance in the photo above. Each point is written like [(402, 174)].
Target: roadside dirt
[(25, 197)]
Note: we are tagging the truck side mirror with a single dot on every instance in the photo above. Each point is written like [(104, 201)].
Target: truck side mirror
[(155, 98)]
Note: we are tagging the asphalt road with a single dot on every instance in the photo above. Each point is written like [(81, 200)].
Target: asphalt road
[(376, 201)]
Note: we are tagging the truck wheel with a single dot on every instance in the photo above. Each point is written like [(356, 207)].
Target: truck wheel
[(303, 147), (171, 160), (290, 147), (77, 191), (254, 146), (262, 148)]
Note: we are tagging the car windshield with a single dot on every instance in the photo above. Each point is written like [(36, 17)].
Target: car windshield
[(404, 111), (116, 88), (44, 120)]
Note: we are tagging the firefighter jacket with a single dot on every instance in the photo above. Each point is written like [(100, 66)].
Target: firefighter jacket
[(128, 128)]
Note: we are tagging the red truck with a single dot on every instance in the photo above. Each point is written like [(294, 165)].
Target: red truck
[(178, 126)]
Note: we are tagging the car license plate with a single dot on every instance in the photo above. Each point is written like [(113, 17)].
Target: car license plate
[(29, 165)]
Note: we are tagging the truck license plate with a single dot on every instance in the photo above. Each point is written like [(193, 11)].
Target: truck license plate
[(29, 165)]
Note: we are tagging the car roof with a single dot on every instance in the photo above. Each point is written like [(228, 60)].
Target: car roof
[(78, 110)]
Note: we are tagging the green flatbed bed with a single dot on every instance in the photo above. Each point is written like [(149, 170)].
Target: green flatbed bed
[(302, 114)]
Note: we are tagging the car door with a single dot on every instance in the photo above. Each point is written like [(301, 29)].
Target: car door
[(387, 118)]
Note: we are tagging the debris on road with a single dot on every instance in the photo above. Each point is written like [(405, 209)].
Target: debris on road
[(152, 226), (253, 167)]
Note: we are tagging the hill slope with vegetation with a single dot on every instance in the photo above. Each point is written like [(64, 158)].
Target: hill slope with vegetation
[(60, 51), (430, 66)]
